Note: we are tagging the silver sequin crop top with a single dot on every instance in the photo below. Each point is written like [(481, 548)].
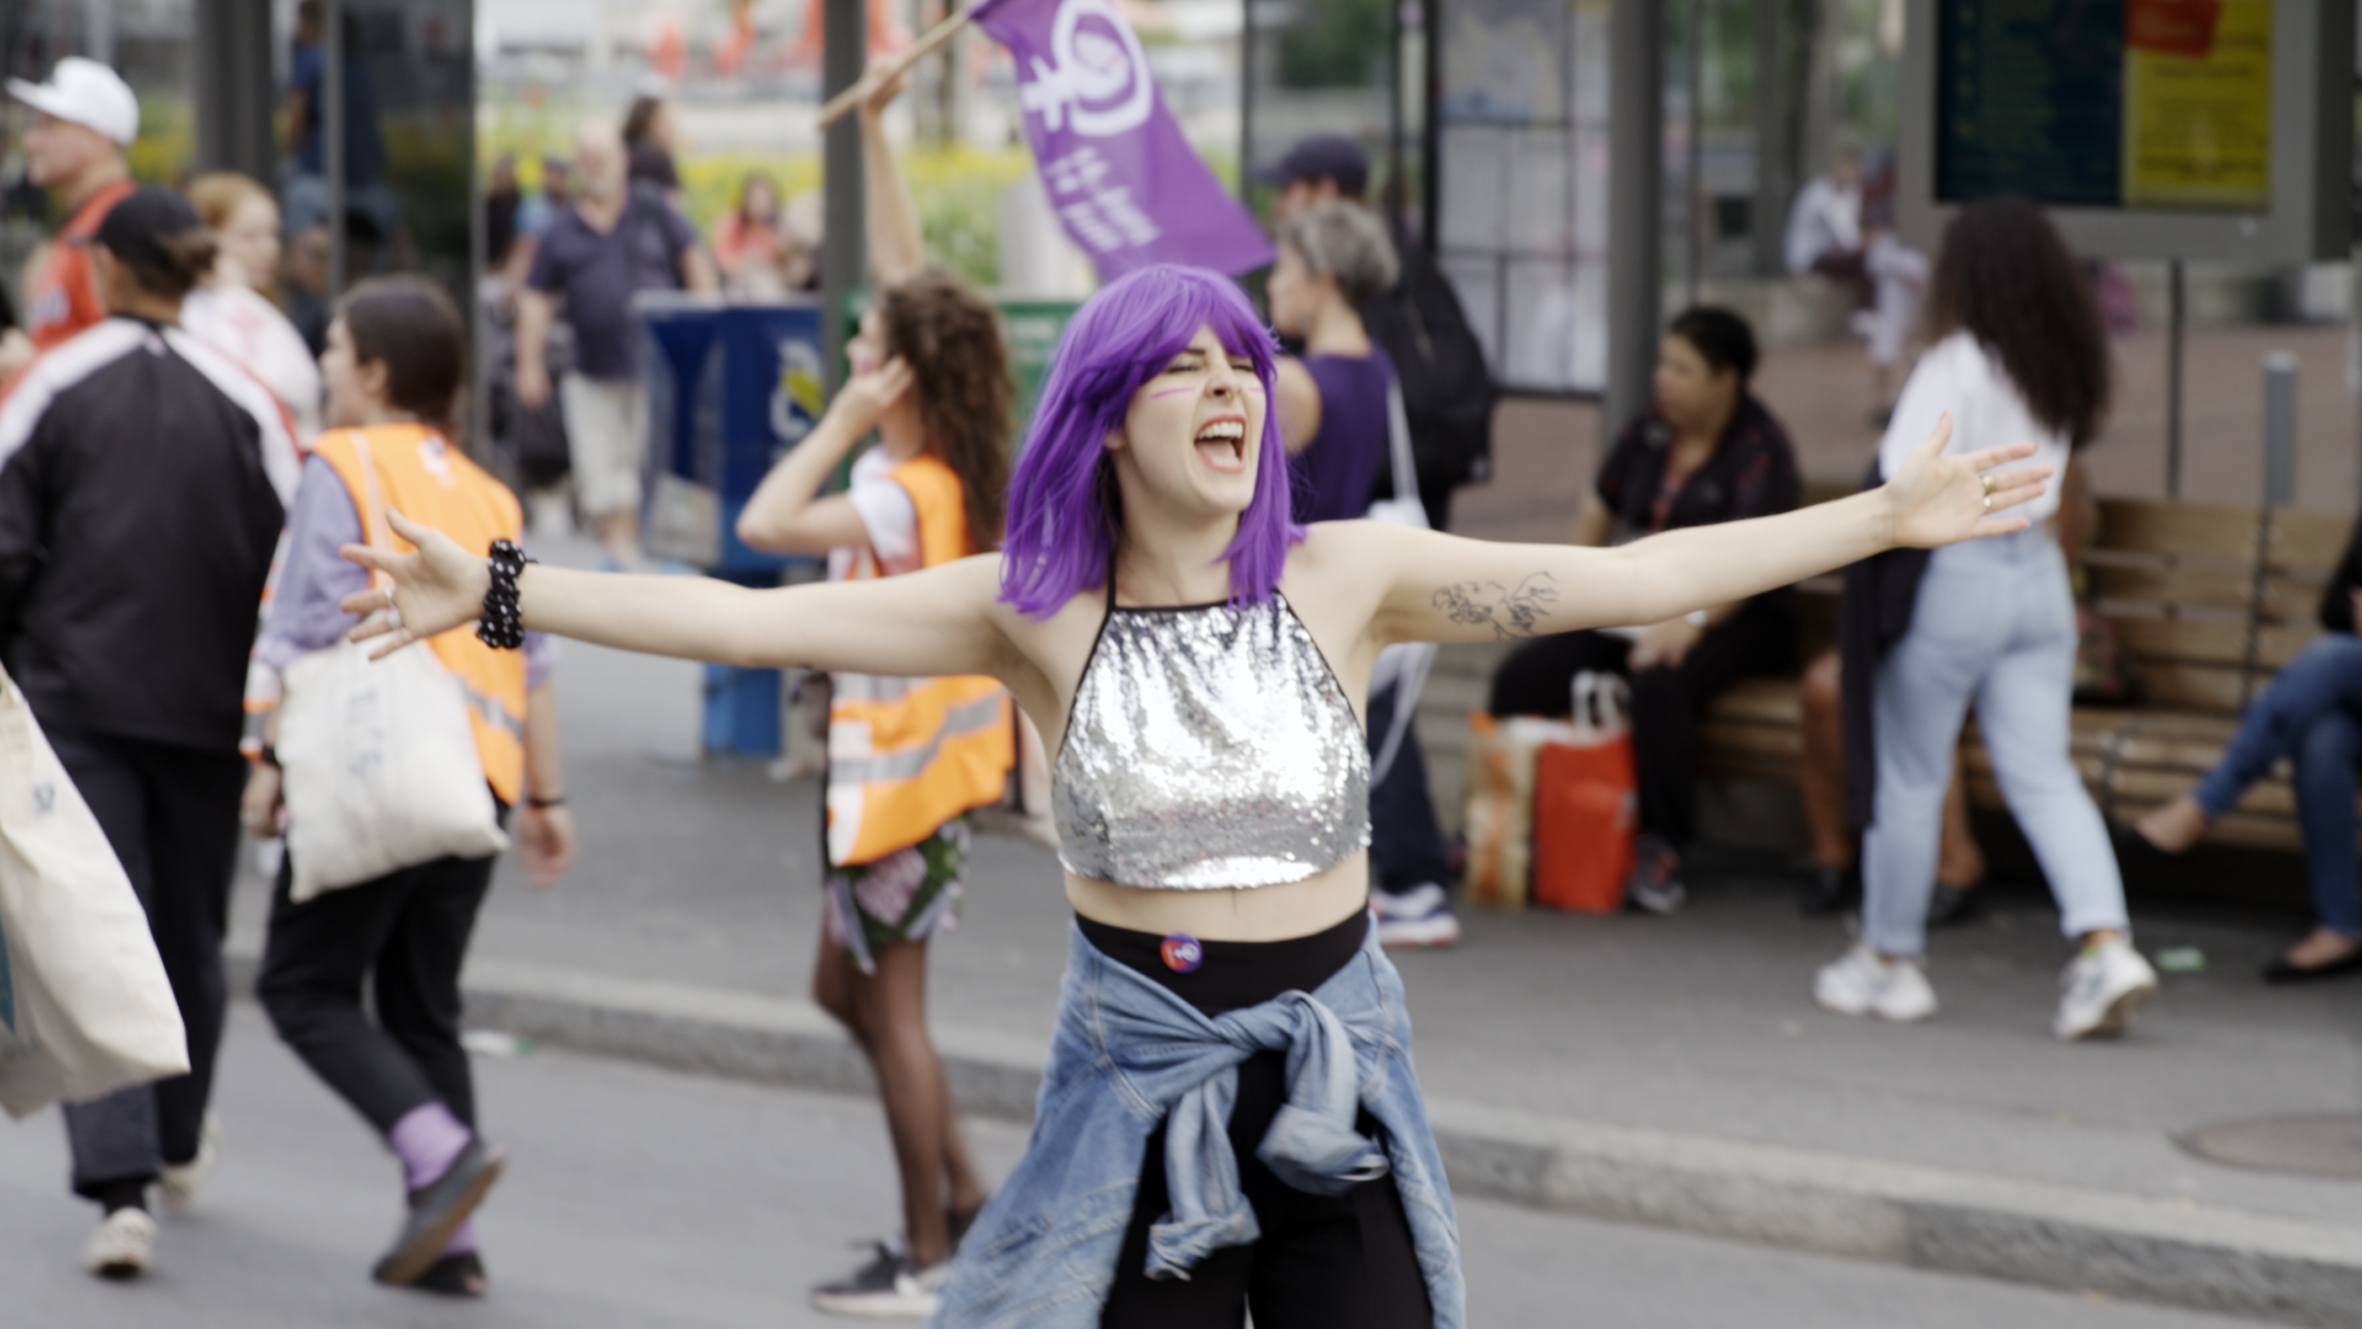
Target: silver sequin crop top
[(1208, 747)]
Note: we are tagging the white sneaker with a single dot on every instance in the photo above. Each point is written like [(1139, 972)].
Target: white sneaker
[(1862, 982), (1420, 916), (179, 1182), (2101, 988), (122, 1246)]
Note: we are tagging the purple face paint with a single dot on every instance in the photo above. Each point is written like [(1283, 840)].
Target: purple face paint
[(1168, 392)]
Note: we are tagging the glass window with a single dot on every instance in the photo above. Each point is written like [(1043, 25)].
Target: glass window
[(1353, 68), (1522, 119)]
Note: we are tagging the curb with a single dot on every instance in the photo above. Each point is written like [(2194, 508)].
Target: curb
[(2217, 1260)]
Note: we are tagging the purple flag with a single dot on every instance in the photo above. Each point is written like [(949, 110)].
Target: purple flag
[(1127, 186)]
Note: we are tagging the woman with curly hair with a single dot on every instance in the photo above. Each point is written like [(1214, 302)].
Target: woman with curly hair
[(2019, 354), (907, 757)]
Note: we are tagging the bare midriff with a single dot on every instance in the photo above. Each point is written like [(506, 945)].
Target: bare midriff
[(1260, 913)]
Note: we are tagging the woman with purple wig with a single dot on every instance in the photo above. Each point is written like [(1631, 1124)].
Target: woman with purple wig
[(1228, 1119)]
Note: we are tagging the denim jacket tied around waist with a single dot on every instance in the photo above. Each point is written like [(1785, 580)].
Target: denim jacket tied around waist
[(1127, 1054)]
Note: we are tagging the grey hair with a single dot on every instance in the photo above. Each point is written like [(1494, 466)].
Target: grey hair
[(1346, 243)]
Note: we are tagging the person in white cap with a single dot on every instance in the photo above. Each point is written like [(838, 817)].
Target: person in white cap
[(88, 117)]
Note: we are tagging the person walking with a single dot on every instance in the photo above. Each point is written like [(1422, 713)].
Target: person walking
[(2312, 714), (143, 480), (2019, 355), (395, 363), (88, 116), (1707, 451), (612, 242), (1832, 881), (1336, 407), (1197, 661), (908, 757), (231, 310)]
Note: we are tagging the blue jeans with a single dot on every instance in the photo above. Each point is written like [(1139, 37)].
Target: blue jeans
[(2313, 713), (1994, 623)]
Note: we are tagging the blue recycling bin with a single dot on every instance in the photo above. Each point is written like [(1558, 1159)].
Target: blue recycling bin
[(731, 387)]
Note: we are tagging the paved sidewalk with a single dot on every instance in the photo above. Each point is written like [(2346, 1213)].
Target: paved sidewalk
[(687, 1202), (1671, 1071)]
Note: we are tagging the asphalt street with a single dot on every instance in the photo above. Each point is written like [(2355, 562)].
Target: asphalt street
[(639, 1197)]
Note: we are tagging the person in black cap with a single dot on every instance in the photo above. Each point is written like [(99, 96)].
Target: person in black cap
[(143, 481)]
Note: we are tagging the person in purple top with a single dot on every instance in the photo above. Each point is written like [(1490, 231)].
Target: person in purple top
[(1333, 418)]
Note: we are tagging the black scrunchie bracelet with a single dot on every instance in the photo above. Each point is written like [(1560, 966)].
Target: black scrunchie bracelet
[(502, 624)]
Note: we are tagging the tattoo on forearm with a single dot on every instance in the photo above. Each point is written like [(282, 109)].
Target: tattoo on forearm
[(1513, 611)]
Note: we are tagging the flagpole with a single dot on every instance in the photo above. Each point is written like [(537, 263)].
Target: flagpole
[(835, 108)]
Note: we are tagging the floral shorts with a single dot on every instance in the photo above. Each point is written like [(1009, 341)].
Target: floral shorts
[(909, 895)]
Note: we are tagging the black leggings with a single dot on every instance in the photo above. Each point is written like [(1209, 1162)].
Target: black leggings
[(404, 935), (1344, 1260)]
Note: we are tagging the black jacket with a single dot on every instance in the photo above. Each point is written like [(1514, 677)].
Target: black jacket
[(1881, 592), (142, 488), (2337, 598)]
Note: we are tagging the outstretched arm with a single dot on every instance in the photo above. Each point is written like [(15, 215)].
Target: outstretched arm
[(1450, 589), (939, 621)]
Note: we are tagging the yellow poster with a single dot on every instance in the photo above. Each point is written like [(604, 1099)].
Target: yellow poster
[(2198, 103)]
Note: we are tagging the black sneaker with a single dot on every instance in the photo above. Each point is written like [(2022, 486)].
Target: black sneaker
[(891, 1286), (1952, 904), (1827, 890), (1654, 885)]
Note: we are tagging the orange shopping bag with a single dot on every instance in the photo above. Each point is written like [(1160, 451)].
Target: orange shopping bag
[(1584, 803)]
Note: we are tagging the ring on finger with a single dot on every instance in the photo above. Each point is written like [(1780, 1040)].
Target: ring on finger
[(1988, 502), (388, 591), (1989, 485)]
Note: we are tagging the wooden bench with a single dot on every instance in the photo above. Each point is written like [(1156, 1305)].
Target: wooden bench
[(2209, 602)]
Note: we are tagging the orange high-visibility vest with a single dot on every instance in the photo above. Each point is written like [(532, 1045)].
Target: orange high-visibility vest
[(906, 755), (63, 298), (434, 484)]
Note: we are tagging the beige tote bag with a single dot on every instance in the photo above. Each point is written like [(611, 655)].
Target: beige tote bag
[(380, 759), (85, 1008)]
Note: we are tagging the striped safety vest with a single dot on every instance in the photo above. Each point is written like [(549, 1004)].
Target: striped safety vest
[(434, 484), (906, 755)]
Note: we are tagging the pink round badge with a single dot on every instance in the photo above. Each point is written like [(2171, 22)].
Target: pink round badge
[(1183, 953)]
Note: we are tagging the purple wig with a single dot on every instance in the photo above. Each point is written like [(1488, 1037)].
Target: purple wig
[(1065, 515)]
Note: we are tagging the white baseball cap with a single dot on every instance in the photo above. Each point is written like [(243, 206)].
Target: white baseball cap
[(87, 93)]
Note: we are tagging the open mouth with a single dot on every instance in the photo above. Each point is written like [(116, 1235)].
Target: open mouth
[(1223, 444)]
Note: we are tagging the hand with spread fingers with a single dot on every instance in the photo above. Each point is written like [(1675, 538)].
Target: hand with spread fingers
[(437, 587), (1939, 500)]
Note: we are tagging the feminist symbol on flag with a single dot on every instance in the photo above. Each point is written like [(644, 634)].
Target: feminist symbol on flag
[(1097, 77)]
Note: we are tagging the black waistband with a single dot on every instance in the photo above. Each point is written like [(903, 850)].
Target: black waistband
[(1235, 974)]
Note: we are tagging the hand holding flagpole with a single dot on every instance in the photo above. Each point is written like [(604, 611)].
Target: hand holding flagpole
[(835, 108)]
